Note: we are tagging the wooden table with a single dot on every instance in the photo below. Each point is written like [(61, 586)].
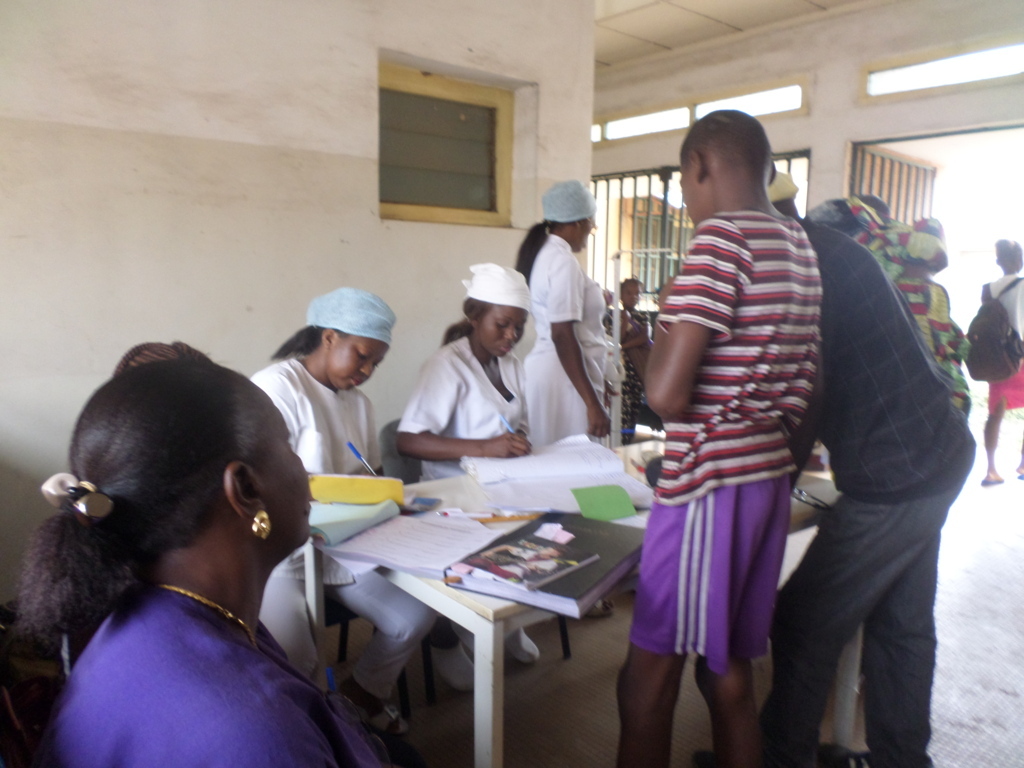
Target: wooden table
[(490, 618)]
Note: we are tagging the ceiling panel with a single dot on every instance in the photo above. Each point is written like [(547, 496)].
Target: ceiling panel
[(835, 3), (744, 14), (667, 25), (630, 29), (605, 8), (611, 47)]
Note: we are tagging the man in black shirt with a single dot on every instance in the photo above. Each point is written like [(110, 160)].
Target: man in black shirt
[(900, 452)]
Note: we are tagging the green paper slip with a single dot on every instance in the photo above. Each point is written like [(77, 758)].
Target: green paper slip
[(604, 502)]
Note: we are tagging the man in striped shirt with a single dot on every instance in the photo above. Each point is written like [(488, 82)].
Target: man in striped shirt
[(731, 373)]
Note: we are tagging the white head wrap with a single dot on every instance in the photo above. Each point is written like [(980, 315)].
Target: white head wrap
[(568, 201), (498, 285)]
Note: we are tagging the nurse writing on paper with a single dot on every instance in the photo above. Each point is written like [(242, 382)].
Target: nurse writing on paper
[(315, 387), (565, 384), (469, 399)]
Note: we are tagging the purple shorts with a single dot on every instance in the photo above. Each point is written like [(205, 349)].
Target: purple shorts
[(710, 571)]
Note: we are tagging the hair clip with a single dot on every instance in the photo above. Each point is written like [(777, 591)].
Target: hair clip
[(67, 492)]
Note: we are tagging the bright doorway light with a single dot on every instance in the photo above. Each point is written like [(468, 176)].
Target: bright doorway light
[(654, 122), (595, 133), (967, 68), (769, 102)]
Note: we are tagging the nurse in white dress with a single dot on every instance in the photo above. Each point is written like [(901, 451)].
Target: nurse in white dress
[(469, 401), (315, 387), (565, 383)]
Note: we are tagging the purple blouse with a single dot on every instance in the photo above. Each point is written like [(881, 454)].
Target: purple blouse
[(167, 681)]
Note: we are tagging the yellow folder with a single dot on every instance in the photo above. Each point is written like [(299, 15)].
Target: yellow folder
[(356, 489)]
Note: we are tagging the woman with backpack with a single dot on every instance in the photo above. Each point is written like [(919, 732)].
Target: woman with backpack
[(1008, 394)]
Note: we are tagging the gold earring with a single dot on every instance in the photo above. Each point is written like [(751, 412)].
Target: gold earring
[(261, 524)]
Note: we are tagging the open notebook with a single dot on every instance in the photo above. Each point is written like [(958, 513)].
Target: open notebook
[(544, 480)]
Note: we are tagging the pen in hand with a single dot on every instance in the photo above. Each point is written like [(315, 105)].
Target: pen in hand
[(358, 455), (508, 426)]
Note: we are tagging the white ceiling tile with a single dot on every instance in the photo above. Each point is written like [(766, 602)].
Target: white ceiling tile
[(746, 14), (611, 47), (606, 8), (834, 3), (666, 24)]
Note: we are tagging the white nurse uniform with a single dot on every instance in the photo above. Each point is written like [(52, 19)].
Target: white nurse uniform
[(455, 398), (561, 292)]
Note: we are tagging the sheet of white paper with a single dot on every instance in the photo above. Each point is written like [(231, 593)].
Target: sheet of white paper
[(355, 567), (634, 521), (555, 493), (575, 455), (424, 545)]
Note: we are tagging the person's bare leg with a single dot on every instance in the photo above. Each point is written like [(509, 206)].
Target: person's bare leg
[(647, 690), (734, 726), (1020, 467), (995, 418)]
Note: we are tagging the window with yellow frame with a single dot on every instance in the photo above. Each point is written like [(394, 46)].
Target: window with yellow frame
[(445, 149)]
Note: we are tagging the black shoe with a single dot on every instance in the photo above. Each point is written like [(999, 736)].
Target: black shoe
[(704, 758), (834, 756)]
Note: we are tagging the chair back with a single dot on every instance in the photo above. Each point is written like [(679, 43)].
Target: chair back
[(395, 465)]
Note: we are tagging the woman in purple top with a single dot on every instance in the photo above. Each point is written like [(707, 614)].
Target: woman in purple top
[(184, 496)]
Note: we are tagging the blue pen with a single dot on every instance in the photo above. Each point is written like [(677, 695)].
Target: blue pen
[(358, 455), (507, 425)]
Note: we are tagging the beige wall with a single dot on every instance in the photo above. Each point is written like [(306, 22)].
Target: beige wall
[(199, 171), (829, 56)]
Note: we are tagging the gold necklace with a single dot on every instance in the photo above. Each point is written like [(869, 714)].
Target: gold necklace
[(218, 608)]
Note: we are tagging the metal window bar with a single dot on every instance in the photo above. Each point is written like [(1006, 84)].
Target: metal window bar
[(902, 183), (640, 213)]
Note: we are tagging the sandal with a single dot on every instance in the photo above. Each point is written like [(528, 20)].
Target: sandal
[(388, 720), (834, 756), (602, 610)]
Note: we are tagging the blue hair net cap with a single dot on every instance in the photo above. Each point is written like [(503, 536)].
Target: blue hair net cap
[(353, 311), (568, 201)]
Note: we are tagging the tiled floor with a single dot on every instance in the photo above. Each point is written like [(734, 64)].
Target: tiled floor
[(562, 713), (978, 697)]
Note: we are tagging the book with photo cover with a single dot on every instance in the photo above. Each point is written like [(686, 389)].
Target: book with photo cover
[(577, 590), (526, 562)]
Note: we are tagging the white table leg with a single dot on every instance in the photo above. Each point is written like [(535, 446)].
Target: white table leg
[(489, 695), (847, 691)]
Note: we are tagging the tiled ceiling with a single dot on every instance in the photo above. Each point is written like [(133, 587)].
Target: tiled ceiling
[(629, 29)]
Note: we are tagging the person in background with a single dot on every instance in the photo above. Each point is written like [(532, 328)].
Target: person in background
[(469, 401), (635, 341), (565, 382), (1005, 395), (183, 495), (749, 291), (900, 451), (911, 256), (315, 387)]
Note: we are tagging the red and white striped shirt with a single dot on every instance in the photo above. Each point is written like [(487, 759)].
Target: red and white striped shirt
[(753, 280)]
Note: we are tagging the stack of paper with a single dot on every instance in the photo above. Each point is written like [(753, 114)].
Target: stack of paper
[(424, 546), (545, 479), (333, 523)]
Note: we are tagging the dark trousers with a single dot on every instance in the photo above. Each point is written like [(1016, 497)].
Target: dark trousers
[(870, 564)]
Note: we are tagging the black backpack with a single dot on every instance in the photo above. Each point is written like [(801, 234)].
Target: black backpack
[(996, 350)]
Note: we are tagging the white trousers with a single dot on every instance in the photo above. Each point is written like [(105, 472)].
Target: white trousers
[(401, 622)]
